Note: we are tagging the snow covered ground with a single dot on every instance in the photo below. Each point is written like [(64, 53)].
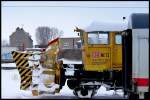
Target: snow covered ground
[(11, 87), (8, 65)]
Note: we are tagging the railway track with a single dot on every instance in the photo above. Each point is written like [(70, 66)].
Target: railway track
[(74, 97)]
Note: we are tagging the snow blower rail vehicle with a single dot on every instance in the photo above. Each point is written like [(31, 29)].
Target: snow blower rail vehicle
[(103, 61)]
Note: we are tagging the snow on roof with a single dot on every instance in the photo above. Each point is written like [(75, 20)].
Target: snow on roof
[(106, 26)]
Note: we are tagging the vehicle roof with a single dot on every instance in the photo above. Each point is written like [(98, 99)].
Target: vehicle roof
[(106, 26)]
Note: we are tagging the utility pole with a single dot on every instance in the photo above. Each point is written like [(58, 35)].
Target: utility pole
[(73, 43)]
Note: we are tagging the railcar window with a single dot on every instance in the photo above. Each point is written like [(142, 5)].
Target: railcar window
[(118, 39), (98, 38)]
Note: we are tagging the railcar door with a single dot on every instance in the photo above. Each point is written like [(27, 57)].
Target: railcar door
[(117, 51), (141, 58), (97, 52)]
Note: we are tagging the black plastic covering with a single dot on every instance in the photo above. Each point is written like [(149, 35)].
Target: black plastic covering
[(139, 20), (127, 60)]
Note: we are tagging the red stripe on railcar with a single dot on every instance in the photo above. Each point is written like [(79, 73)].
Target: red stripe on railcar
[(142, 81)]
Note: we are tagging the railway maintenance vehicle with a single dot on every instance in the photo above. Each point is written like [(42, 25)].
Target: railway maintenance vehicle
[(114, 57)]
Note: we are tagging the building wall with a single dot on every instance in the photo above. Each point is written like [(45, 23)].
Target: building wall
[(68, 43), (20, 39)]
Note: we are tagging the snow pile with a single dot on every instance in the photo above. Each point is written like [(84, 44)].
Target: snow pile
[(120, 92), (8, 65), (66, 91), (51, 88), (10, 84), (70, 71), (103, 92), (106, 26), (11, 87), (25, 94), (66, 61)]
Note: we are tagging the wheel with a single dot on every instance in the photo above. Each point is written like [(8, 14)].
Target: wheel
[(72, 84), (146, 96), (133, 96)]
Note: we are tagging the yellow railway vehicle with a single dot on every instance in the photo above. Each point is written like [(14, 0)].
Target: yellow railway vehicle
[(104, 61), (101, 61)]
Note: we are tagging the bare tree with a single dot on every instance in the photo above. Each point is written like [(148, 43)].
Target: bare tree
[(54, 33), (42, 35), (45, 34)]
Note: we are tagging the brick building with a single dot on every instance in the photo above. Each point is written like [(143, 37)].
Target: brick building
[(20, 39)]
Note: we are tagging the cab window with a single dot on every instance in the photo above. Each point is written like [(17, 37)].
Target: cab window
[(98, 38), (118, 39)]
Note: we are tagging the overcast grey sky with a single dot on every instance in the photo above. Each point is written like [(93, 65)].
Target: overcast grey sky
[(32, 14)]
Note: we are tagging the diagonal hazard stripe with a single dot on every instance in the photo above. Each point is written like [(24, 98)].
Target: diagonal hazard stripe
[(14, 54), (18, 68), (28, 79), (29, 73), (21, 62), (21, 69), (17, 56), (24, 72), (20, 58), (24, 66), (22, 78), (25, 76), (27, 83)]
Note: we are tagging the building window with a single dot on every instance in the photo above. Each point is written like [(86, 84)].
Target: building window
[(66, 45)]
